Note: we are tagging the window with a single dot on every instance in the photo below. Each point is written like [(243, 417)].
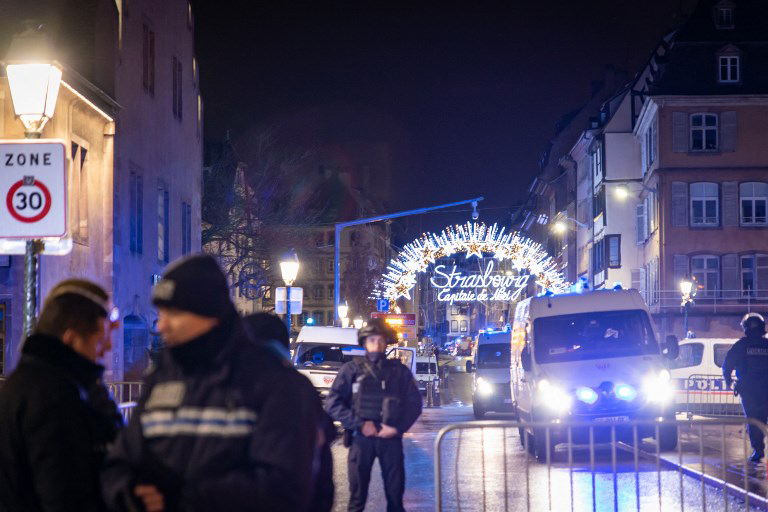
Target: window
[(614, 250), (599, 203), (463, 326), (137, 213), (162, 225), (186, 228), (317, 292), (354, 238), (148, 60), (754, 203), (598, 256), (330, 266), (724, 18), (177, 81), (754, 275), (690, 355), (79, 185), (330, 318), (703, 132), (649, 147), (318, 317), (135, 343), (454, 326), (331, 238), (704, 204), (597, 163), (303, 318), (330, 291), (721, 349), (318, 239), (706, 271), (728, 69), (318, 266)]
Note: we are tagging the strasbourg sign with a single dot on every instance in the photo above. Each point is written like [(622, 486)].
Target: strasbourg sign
[(455, 286)]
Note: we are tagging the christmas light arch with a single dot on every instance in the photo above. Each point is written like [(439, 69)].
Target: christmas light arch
[(474, 239)]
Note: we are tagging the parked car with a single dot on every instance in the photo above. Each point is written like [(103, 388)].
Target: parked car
[(319, 352)]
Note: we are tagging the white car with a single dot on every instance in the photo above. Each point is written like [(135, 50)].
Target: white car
[(319, 352)]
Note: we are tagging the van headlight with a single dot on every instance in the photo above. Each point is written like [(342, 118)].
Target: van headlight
[(483, 386), (554, 397), (658, 387)]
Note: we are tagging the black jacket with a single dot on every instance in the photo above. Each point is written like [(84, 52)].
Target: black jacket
[(222, 425), (56, 419), (749, 357), (400, 384)]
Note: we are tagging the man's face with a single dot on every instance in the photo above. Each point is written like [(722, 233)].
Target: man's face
[(91, 346), (375, 343), (177, 327)]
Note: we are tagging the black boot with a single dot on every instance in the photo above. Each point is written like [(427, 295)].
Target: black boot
[(757, 456)]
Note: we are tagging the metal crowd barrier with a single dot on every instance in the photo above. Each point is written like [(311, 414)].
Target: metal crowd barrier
[(707, 395), (488, 465), (125, 391)]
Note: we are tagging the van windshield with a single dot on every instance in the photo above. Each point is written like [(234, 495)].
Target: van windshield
[(324, 355), (596, 335), (497, 355)]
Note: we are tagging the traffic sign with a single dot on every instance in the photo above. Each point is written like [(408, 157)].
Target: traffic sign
[(33, 189), (297, 298), (382, 305)]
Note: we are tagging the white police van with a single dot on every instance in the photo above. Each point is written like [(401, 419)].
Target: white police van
[(319, 352), (490, 365), (591, 356)]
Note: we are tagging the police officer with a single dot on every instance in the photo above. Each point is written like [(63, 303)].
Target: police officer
[(749, 357), (377, 400)]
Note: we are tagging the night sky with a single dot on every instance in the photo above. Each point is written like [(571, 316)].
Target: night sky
[(471, 91)]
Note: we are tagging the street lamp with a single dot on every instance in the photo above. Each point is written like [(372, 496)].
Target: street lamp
[(33, 78), (687, 291), (622, 192), (560, 226), (358, 322), (289, 267), (343, 310)]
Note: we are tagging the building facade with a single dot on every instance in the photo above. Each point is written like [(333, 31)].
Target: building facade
[(129, 113)]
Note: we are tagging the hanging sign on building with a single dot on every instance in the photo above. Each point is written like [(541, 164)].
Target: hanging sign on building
[(33, 189), (456, 286)]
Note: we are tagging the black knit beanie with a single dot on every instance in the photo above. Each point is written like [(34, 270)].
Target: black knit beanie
[(195, 284)]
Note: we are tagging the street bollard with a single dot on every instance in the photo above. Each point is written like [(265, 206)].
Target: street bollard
[(429, 393)]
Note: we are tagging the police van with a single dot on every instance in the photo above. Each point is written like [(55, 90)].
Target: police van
[(698, 374), (591, 356), (319, 352), (490, 365)]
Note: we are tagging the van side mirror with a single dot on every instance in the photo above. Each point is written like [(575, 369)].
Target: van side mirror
[(672, 349), (470, 369), (525, 358)]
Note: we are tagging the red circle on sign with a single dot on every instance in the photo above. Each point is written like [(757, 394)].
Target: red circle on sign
[(9, 202)]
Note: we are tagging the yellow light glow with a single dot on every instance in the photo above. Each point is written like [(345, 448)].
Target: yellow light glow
[(34, 89), (621, 192), (395, 321), (559, 227)]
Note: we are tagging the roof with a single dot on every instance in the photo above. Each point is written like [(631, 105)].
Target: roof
[(592, 301)]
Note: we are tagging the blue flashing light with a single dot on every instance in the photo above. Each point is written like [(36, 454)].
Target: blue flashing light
[(617, 286), (489, 329), (625, 392), (586, 395), (310, 321)]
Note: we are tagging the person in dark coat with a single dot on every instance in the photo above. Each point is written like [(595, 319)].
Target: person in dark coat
[(222, 423), (56, 416), (269, 331), (749, 357), (377, 400)]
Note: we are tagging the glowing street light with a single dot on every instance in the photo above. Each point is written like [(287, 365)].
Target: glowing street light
[(687, 291), (33, 78), (560, 226), (621, 192), (343, 310), (358, 322), (289, 268)]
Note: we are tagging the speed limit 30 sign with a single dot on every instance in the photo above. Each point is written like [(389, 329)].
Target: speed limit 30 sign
[(33, 189)]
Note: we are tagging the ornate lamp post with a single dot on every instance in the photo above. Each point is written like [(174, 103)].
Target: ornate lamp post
[(33, 78), (343, 310), (687, 292), (289, 268), (358, 323)]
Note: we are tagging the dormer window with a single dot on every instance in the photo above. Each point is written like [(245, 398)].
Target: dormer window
[(724, 15), (728, 65), (728, 68)]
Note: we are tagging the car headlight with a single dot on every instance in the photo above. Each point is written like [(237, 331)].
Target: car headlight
[(658, 387), (587, 395), (483, 386), (554, 397), (625, 392)]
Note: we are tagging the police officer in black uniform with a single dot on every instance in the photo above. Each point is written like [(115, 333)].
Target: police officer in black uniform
[(749, 357), (376, 400)]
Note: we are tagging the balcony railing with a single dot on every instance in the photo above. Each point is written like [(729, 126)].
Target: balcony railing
[(724, 301)]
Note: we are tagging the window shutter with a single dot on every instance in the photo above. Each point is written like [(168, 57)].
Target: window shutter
[(728, 131), (679, 204), (640, 222), (731, 281), (680, 270), (730, 203), (644, 153), (761, 270), (679, 132), (638, 281)]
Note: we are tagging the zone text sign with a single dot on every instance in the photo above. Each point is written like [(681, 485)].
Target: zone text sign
[(33, 189)]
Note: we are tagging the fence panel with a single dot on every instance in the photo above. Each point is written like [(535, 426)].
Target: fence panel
[(707, 395), (493, 465)]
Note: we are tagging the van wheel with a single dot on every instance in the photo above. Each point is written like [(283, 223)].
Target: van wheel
[(667, 438), (478, 411), (538, 445)]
